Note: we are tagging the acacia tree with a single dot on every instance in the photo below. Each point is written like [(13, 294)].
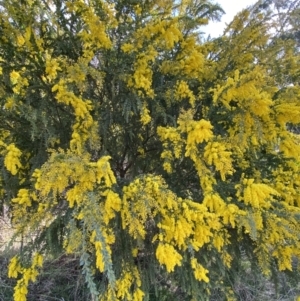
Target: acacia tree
[(157, 157)]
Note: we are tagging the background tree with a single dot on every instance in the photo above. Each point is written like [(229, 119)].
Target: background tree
[(159, 158)]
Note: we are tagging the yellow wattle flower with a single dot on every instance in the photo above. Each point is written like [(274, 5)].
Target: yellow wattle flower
[(12, 159)]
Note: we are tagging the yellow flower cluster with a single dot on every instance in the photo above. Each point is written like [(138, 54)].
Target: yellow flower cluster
[(77, 74), (218, 242), (127, 47), (28, 274), (182, 223), (138, 9), (23, 39), (165, 33), (19, 81), (112, 205), (287, 109), (57, 175), (193, 226), (173, 145), (84, 121), (23, 198), (245, 90), (80, 106), (171, 35), (197, 132), (177, 231), (214, 202), (142, 76), (12, 159), (251, 107), (127, 287), (256, 195), (230, 214), (52, 66), (276, 234), (192, 61), (290, 146), (215, 153), (100, 263), (207, 179), (14, 77), (20, 40), (199, 271), (104, 171), (168, 256), (138, 199), (102, 248), (94, 36), (183, 91), (145, 116), (14, 267), (36, 175), (284, 256), (10, 103), (286, 183)]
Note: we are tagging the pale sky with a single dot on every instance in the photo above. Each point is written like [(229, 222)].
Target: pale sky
[(231, 7)]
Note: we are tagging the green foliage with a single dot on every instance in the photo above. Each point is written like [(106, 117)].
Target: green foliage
[(161, 160)]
